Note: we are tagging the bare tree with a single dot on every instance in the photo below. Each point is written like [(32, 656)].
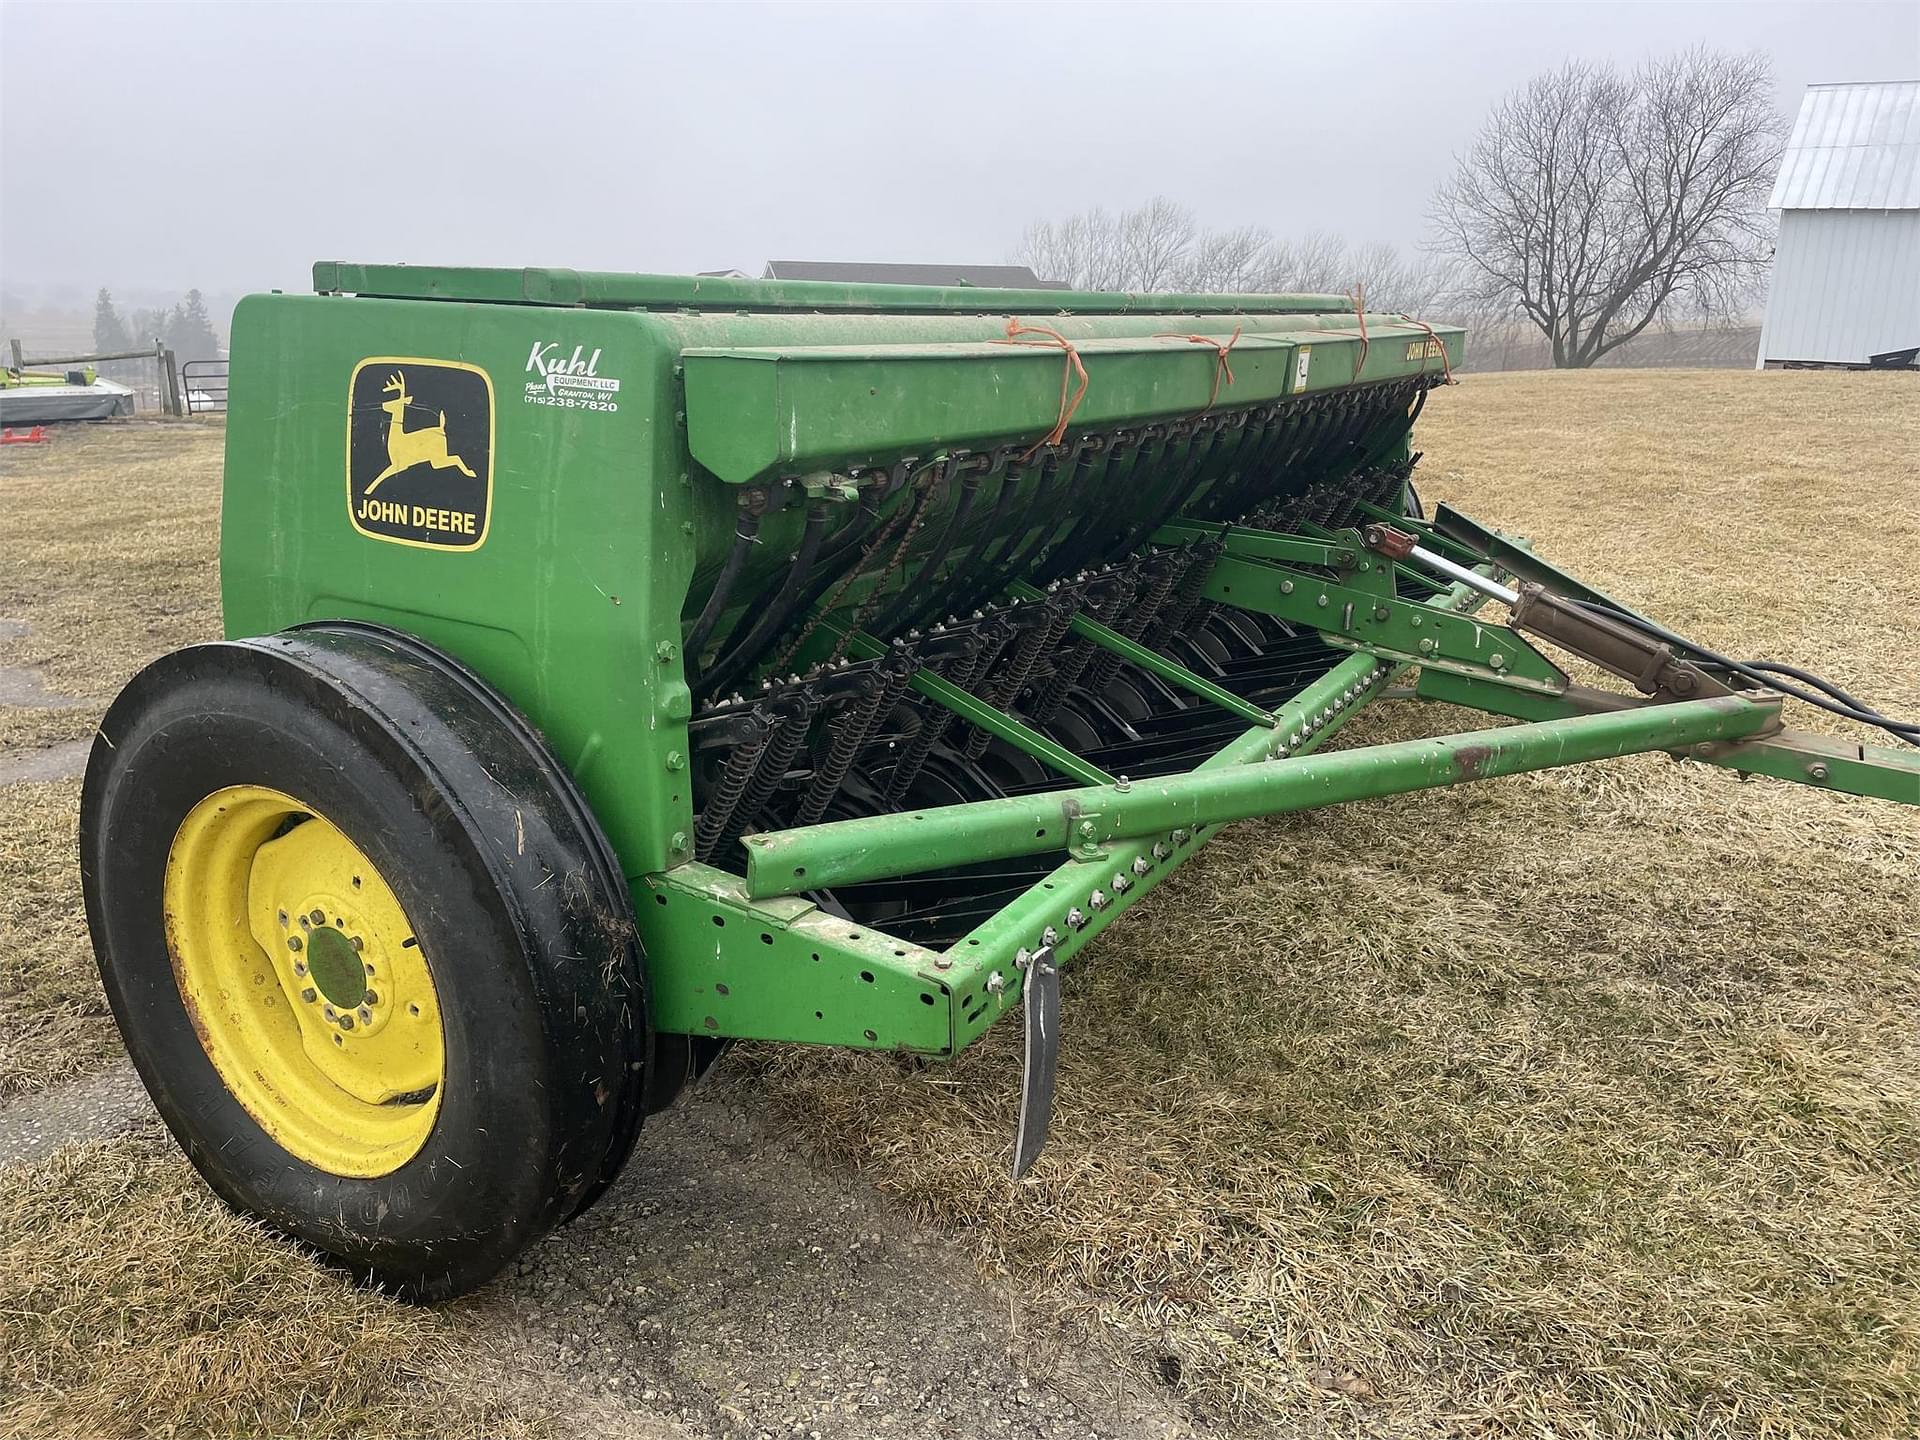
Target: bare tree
[(1140, 249), (1595, 203), (1314, 264), (1156, 239), (1229, 261), (1161, 246)]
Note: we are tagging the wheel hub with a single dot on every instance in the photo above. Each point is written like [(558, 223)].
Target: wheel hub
[(333, 960), (318, 1009), (333, 969)]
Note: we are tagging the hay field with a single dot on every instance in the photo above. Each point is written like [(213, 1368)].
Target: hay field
[(1585, 1103), (1581, 1103)]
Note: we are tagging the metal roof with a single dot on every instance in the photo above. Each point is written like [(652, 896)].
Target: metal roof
[(1854, 147)]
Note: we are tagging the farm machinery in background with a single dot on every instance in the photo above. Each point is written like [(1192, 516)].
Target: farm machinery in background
[(39, 397), (622, 665)]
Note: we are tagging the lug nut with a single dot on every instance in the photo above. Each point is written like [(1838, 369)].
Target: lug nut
[(346, 1022), (309, 995)]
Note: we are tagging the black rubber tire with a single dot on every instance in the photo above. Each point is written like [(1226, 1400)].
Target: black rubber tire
[(522, 916)]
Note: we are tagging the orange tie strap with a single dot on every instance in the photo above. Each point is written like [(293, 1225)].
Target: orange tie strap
[(1073, 367), (1446, 365), (1221, 364), (1359, 298)]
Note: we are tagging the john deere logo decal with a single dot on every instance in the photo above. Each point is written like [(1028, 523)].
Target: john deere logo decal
[(420, 452)]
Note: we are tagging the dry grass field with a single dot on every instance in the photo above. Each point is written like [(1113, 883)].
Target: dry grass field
[(110, 560), (132, 1303), (1579, 1103)]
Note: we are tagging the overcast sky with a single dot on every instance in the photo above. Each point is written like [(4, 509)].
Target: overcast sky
[(229, 146)]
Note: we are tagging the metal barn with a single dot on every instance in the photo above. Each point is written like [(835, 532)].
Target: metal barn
[(1846, 275)]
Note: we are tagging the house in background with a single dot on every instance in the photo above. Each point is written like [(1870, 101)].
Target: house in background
[(1846, 273)]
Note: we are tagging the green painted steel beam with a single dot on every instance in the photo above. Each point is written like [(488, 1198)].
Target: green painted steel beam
[(850, 851), (1362, 611), (1826, 762), (976, 711), (722, 965), (1153, 662), (1260, 544)]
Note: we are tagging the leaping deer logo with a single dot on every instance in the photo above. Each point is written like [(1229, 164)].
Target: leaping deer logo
[(407, 448)]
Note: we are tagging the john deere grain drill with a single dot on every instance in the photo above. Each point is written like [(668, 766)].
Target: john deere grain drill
[(621, 665)]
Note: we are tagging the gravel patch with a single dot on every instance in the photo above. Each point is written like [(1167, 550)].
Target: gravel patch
[(734, 1284), (106, 1103), (65, 761), (729, 1286)]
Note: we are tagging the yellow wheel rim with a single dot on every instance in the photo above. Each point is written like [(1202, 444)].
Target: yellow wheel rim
[(304, 981)]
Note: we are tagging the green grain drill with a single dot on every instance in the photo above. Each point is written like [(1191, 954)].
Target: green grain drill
[(622, 665)]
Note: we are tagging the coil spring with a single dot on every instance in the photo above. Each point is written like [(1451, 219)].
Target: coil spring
[(793, 717), (1007, 685), (1188, 590), (851, 732), (935, 720), (1074, 660), (728, 790), (1161, 573)]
